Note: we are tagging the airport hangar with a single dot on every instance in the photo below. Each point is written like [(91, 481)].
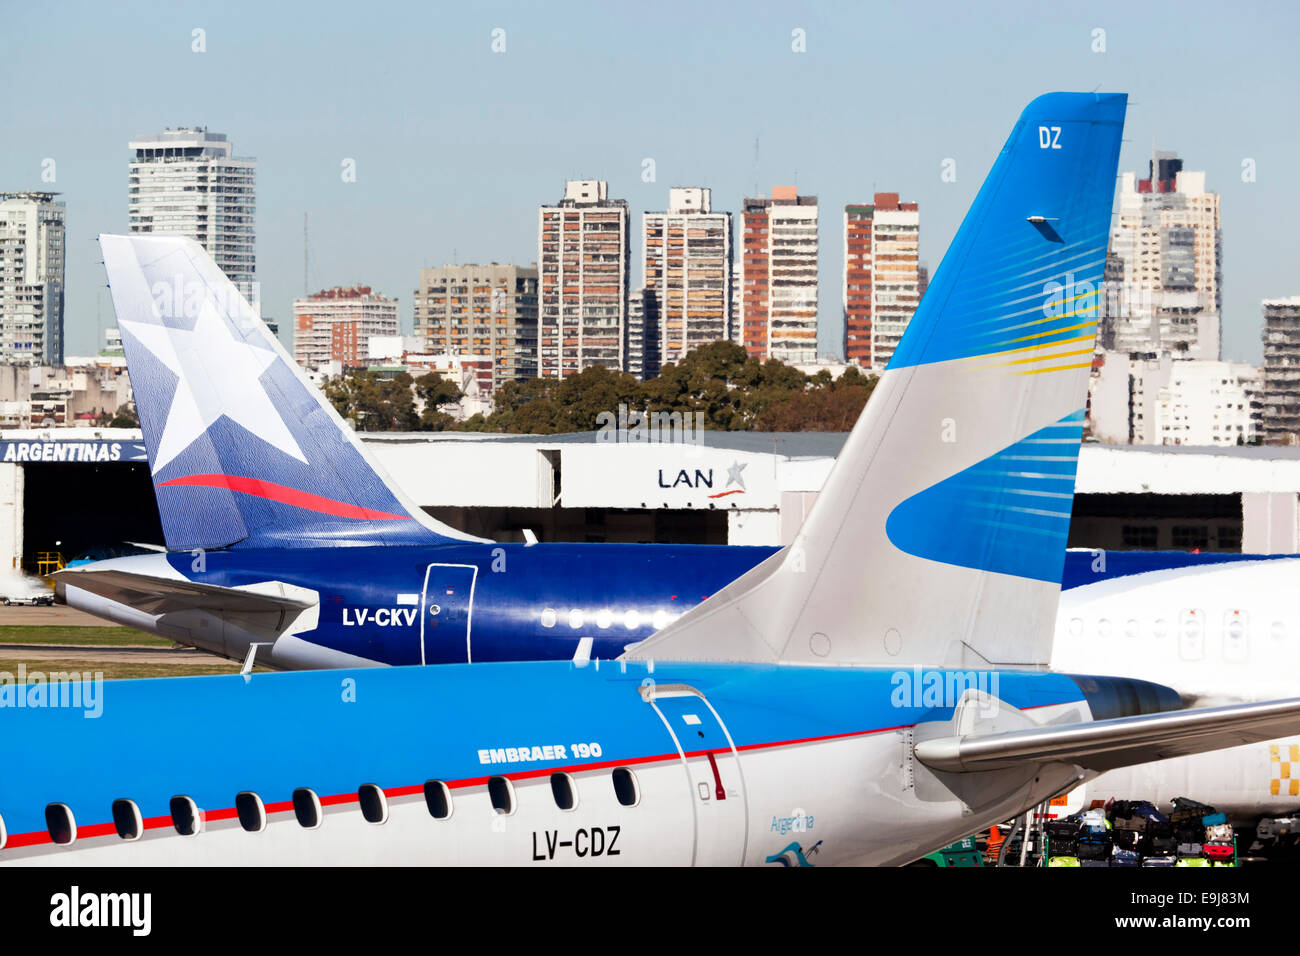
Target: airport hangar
[(74, 490)]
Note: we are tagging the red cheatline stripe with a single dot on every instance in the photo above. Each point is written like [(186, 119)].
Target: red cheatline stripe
[(227, 813), (283, 494), (733, 491)]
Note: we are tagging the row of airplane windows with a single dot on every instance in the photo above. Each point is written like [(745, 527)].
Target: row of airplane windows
[(187, 819), (604, 618), (1236, 625)]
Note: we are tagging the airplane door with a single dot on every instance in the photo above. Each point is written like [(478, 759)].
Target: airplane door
[(447, 613), (714, 782)]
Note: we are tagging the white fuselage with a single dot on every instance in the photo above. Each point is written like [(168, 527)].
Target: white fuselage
[(1218, 634), (856, 800)]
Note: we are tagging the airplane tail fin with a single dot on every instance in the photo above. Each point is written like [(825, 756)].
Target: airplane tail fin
[(940, 534), (244, 451)]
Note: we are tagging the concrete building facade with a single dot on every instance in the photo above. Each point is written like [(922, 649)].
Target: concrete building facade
[(641, 343), (779, 250), (337, 325), (77, 395), (484, 311), (1167, 247), (33, 239), (882, 278), (188, 182), (1280, 397), (686, 261), (583, 256), (1159, 399)]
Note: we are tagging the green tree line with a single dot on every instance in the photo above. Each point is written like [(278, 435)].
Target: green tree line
[(733, 392)]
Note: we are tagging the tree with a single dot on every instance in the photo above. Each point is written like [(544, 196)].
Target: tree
[(546, 406), (434, 391), (827, 406), (374, 403), (722, 381), (124, 418)]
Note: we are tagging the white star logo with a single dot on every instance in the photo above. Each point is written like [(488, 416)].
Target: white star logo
[(733, 475), (217, 374)]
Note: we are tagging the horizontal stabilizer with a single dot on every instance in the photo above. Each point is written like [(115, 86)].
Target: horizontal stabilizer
[(1107, 744), (155, 595)]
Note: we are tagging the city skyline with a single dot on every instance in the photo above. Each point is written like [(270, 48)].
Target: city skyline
[(459, 178)]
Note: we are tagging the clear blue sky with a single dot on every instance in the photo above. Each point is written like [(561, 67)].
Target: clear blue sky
[(456, 146)]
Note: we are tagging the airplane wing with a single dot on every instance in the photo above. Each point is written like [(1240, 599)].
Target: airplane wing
[(155, 595), (1107, 744)]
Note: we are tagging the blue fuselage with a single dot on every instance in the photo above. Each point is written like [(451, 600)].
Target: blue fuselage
[(474, 602), (513, 602)]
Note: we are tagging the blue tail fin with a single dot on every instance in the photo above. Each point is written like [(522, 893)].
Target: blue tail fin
[(244, 451), (940, 534)]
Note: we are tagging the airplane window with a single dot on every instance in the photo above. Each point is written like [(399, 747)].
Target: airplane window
[(126, 819), (438, 799), (251, 811), (604, 618), (60, 823), (306, 807), (1103, 627), (625, 787), (1162, 627), (1131, 628), (632, 620), (502, 793), (562, 790), (374, 805), (1279, 631), (660, 620), (549, 617), (575, 618), (1076, 626), (185, 816)]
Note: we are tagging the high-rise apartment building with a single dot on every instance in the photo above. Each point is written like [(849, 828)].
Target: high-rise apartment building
[(735, 321), (1280, 397), (641, 348), (1167, 242), (686, 264), (779, 276), (481, 310), (188, 182), (335, 325), (583, 256), (32, 261), (883, 277)]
